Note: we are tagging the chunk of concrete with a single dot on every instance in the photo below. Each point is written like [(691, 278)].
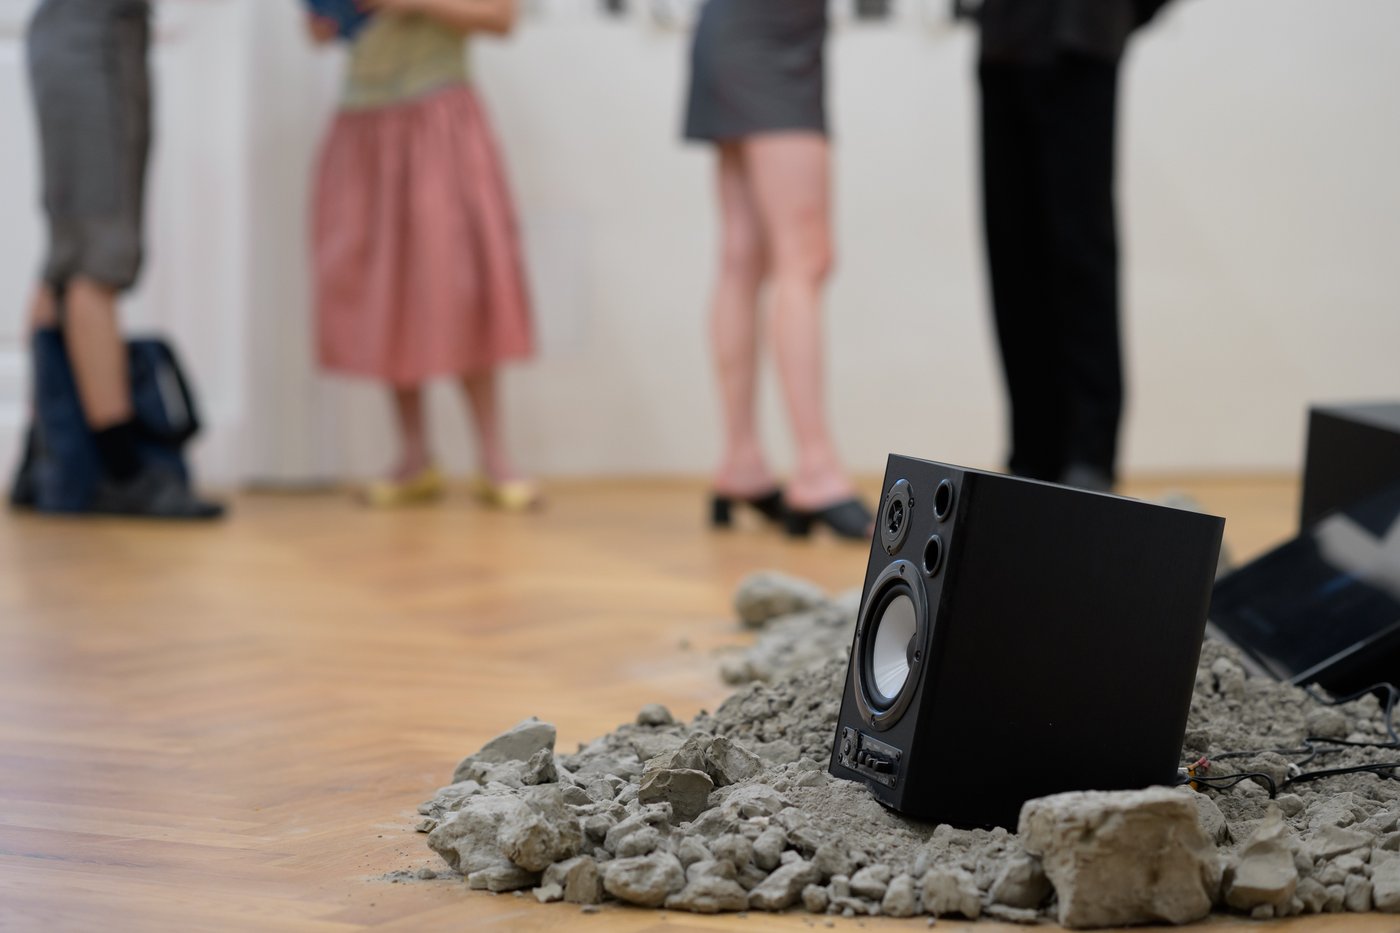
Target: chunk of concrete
[(727, 763), (951, 891), (467, 839), (768, 848), (686, 790), (901, 897), (781, 889), (520, 743), (1264, 873), (645, 880), (1385, 885), (502, 876), (1022, 883), (654, 714), (871, 882), (1117, 858), (578, 878), (535, 837), (709, 894), (769, 594)]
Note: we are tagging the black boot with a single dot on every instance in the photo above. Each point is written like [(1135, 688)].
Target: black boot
[(23, 494), (156, 491)]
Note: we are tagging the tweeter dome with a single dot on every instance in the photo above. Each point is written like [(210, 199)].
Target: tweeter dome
[(1017, 639)]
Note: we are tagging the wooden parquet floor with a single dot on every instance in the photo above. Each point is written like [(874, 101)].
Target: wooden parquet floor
[(230, 727)]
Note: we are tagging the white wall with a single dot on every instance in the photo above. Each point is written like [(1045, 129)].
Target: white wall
[(1260, 209)]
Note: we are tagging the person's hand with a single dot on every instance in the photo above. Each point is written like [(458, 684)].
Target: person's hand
[(321, 29)]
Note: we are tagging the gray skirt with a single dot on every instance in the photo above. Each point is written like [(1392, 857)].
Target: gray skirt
[(757, 66), (92, 98)]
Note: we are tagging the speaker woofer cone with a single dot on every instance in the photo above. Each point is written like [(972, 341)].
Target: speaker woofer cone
[(892, 647), (891, 642)]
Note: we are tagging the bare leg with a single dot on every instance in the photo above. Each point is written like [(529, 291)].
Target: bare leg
[(413, 431), (791, 179), (98, 354), (483, 396), (734, 332), (43, 308)]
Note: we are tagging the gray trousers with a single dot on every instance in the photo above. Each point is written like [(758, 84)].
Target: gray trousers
[(92, 99)]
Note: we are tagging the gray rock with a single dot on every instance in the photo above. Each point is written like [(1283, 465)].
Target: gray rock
[(815, 898), (686, 790), (901, 898), (577, 879), (709, 895), (1313, 895), (1209, 816), (1358, 894), (654, 714), (1331, 841), (727, 763), (1021, 883), (1264, 873), (519, 743), (1117, 858), (466, 839), (871, 882), (833, 858), (1385, 885), (1327, 722), (733, 848), (951, 891), (1011, 914), (691, 850), (769, 594), (645, 880), (535, 837), (1290, 804), (502, 876), (643, 842), (750, 800), (768, 848), (781, 889), (711, 868)]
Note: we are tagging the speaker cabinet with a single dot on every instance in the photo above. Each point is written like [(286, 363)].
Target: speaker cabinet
[(1017, 639), (1353, 452)]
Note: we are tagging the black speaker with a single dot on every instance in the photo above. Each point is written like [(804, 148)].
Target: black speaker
[(1353, 452), (1017, 639)]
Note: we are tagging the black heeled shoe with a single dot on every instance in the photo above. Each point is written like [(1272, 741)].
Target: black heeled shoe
[(769, 505), (847, 519)]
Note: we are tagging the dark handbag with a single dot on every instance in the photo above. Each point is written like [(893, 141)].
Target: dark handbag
[(66, 464)]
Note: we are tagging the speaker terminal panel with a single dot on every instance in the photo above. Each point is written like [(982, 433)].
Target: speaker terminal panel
[(869, 757)]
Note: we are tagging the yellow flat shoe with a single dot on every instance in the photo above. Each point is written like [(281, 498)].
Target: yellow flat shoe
[(425, 486), (516, 495)]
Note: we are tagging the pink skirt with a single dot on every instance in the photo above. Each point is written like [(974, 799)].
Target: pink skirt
[(417, 259)]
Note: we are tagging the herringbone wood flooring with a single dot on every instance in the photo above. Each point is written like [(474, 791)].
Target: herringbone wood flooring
[(230, 727)]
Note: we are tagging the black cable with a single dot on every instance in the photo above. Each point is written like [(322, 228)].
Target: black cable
[(1310, 743), (1213, 780), (1375, 768)]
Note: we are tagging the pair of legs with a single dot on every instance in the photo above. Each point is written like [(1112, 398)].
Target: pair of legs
[(775, 209), (483, 398), (95, 347), (1048, 136)]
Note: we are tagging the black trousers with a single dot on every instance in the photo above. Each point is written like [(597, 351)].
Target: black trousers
[(1052, 247)]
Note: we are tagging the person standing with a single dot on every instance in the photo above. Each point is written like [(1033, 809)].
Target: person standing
[(1048, 71), (418, 269), (92, 99), (757, 93)]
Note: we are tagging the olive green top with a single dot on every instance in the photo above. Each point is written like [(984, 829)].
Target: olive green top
[(399, 57)]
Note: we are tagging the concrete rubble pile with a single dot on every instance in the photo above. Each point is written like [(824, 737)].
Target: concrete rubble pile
[(735, 811)]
